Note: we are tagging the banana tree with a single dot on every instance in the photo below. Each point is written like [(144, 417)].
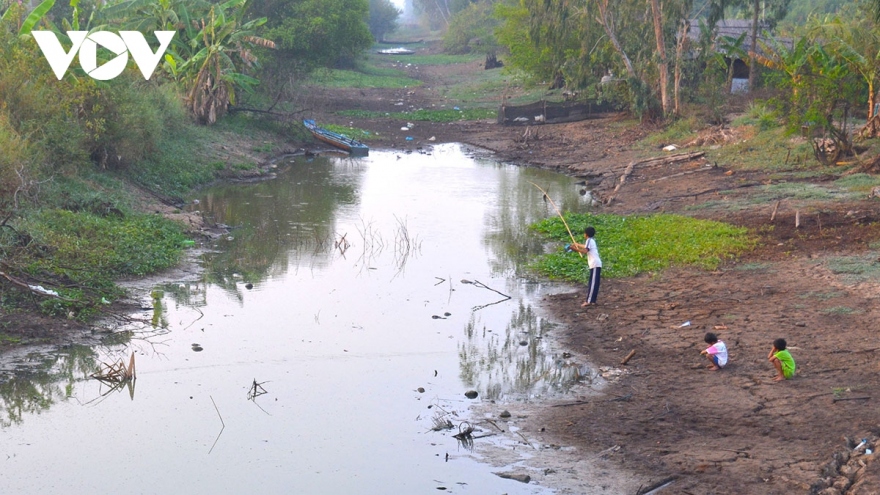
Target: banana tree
[(858, 42), (730, 49), (793, 62), (215, 57), (14, 12)]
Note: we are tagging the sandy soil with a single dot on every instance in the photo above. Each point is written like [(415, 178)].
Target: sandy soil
[(734, 431)]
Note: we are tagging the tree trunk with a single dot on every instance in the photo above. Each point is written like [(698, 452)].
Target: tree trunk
[(603, 20), (729, 83), (663, 65), (679, 53), (753, 63)]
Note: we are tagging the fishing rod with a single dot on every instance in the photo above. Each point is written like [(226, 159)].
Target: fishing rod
[(560, 215)]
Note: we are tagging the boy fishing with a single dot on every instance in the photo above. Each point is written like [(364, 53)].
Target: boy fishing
[(594, 263)]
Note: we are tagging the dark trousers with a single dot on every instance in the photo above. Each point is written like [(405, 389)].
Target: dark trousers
[(593, 284)]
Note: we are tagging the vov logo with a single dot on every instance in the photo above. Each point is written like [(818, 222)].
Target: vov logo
[(86, 44)]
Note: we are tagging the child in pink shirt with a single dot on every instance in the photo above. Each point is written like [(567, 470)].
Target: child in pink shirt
[(716, 352)]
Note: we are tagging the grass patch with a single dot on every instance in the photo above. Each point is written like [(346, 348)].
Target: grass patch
[(438, 115), (862, 183), (678, 132), (179, 165), (416, 59), (842, 310), (770, 150), (761, 196), (351, 132), (758, 115), (366, 76), (795, 190), (639, 244), (856, 268), (822, 296)]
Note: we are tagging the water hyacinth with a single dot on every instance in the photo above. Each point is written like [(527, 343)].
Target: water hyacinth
[(639, 244)]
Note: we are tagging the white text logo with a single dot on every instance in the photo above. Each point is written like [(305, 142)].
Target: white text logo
[(86, 45)]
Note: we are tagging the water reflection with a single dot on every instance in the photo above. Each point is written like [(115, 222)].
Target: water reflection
[(515, 360), (41, 380), (277, 224)]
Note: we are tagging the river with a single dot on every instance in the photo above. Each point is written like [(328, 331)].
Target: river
[(327, 338)]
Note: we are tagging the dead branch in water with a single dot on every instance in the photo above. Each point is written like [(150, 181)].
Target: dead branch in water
[(115, 373), (222, 423), (477, 283), (464, 432), (342, 244), (256, 390)]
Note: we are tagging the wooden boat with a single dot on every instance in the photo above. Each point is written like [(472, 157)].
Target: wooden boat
[(354, 147)]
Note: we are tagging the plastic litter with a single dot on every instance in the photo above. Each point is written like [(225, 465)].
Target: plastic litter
[(409, 138), (43, 290), (685, 324)]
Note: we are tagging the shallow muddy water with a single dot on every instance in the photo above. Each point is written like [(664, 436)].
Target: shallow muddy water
[(332, 329)]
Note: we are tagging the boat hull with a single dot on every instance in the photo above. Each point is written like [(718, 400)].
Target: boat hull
[(352, 146)]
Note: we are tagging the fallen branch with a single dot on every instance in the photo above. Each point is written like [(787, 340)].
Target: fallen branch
[(838, 399), (495, 425), (622, 398), (660, 484), (653, 162), (38, 290), (701, 169), (575, 403), (628, 357)]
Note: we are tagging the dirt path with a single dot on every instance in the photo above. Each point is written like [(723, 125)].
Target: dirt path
[(734, 431)]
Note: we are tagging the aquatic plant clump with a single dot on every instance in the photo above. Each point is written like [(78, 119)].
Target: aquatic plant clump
[(638, 244)]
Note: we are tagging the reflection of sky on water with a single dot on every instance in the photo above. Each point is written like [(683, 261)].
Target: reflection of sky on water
[(370, 279)]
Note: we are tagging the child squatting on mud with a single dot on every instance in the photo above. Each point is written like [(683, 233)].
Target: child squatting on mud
[(716, 352), (782, 360)]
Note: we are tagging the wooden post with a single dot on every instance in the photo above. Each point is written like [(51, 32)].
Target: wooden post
[(775, 207), (797, 219)]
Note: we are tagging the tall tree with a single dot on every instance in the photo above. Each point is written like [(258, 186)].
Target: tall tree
[(766, 12), (607, 20), (663, 64), (383, 18)]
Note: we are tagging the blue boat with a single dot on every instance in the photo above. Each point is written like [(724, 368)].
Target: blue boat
[(352, 146)]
